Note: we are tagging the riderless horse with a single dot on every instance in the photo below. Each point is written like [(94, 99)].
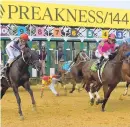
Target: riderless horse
[(75, 74)]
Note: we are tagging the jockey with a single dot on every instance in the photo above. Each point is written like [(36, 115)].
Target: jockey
[(105, 48), (50, 82), (13, 49)]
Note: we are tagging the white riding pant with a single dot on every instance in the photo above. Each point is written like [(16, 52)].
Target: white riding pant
[(51, 86), (98, 55), (12, 53)]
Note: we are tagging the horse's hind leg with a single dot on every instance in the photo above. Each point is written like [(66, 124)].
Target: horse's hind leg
[(27, 87), (15, 89), (4, 87), (3, 90)]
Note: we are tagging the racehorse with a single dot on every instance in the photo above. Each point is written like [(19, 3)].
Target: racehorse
[(18, 75), (75, 74), (126, 73), (111, 75)]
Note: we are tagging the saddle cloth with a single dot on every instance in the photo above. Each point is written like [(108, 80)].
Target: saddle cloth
[(99, 70), (66, 66)]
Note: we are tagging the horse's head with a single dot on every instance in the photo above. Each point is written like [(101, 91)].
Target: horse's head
[(31, 57), (122, 50), (82, 57)]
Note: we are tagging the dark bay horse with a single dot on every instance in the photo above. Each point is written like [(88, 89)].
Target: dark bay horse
[(18, 75), (75, 74), (111, 75), (126, 73)]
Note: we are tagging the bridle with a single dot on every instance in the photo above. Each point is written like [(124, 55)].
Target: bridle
[(85, 58), (29, 62)]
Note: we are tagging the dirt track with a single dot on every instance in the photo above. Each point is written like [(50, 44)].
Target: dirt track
[(72, 110)]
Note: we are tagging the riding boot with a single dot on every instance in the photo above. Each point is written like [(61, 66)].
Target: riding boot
[(100, 62)]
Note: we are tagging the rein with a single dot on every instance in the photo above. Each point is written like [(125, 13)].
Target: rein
[(86, 58), (29, 62), (23, 58)]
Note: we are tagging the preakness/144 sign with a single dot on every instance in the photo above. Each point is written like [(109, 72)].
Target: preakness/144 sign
[(63, 15)]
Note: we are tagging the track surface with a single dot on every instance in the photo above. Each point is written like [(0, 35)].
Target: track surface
[(72, 110)]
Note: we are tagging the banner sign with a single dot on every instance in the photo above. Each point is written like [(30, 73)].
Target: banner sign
[(17, 12)]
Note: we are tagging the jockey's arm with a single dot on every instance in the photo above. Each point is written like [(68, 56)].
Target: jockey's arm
[(16, 45), (101, 44)]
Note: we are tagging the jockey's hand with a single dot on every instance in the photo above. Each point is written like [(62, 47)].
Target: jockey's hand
[(111, 56), (102, 54)]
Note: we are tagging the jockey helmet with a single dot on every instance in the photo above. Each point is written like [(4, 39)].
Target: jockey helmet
[(112, 36), (24, 37)]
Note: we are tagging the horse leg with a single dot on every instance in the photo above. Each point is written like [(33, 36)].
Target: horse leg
[(97, 97), (107, 95), (65, 89), (27, 87), (3, 90), (105, 90), (87, 88), (126, 89), (15, 89), (94, 86), (73, 88), (4, 87)]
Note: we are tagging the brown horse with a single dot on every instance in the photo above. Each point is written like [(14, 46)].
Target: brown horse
[(111, 76), (75, 74), (126, 73)]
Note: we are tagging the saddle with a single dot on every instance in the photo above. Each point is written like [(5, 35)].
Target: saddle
[(99, 69)]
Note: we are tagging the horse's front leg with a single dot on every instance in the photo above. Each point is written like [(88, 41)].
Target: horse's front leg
[(87, 88), (3, 90), (27, 87), (73, 88), (106, 96), (15, 89)]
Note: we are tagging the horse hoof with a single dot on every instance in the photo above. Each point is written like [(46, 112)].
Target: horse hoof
[(79, 90), (125, 94), (71, 92), (92, 102), (57, 95), (21, 118), (34, 108), (103, 110), (97, 102), (121, 98)]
